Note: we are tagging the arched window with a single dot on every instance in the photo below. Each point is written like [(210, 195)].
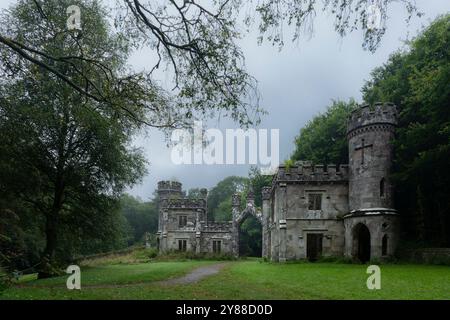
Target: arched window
[(384, 245), (382, 187)]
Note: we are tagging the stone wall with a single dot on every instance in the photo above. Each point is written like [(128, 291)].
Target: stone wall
[(427, 255), (332, 232), (198, 233), (220, 231), (291, 220)]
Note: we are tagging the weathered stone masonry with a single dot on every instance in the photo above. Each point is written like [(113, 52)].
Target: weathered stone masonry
[(314, 211), (183, 224), (309, 211)]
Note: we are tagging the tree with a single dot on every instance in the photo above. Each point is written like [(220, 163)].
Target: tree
[(258, 181), (141, 217), (323, 140), (416, 80), (196, 45), (66, 156), (194, 193), (222, 192), (250, 237), (196, 42), (12, 242)]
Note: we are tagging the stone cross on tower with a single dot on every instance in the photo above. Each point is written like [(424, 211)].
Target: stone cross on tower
[(362, 147)]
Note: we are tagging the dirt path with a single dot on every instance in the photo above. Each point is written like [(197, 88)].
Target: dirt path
[(192, 277), (195, 275)]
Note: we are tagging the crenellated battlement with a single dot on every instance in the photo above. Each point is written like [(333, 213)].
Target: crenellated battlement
[(169, 189), (382, 116), (305, 172), (170, 185), (183, 203)]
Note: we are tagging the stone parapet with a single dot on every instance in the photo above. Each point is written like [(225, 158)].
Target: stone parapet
[(310, 173), (380, 116)]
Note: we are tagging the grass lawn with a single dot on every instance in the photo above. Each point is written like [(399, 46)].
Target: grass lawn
[(247, 279)]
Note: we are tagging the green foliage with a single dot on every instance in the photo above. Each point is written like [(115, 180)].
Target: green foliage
[(288, 163), (417, 80), (223, 192), (5, 281), (250, 238), (145, 254), (133, 254), (62, 157), (258, 181), (141, 217), (175, 255), (223, 212), (194, 193), (323, 140), (334, 259), (12, 244)]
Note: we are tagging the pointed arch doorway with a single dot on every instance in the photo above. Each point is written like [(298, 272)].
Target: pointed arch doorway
[(240, 218), (361, 243)]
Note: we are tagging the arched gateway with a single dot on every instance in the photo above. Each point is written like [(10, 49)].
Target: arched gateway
[(183, 223), (239, 216)]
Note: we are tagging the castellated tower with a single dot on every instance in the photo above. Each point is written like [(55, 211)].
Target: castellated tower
[(372, 222), (183, 225), (166, 190), (169, 189), (370, 132)]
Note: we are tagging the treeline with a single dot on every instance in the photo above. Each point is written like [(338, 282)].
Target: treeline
[(22, 239), (139, 217), (129, 222), (417, 80)]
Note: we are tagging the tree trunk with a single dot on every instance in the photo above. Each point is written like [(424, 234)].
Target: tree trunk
[(47, 267), (48, 257)]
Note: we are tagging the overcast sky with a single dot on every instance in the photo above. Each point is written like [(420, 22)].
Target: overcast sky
[(295, 84)]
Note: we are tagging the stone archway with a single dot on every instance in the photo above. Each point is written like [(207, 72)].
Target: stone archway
[(250, 236), (361, 243), (240, 216)]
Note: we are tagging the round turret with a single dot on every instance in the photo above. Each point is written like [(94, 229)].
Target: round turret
[(370, 133), (168, 189)]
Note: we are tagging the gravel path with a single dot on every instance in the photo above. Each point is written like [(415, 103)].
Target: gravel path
[(195, 275), (192, 277)]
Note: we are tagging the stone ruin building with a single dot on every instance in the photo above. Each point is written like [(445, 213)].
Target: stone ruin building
[(183, 223), (309, 211)]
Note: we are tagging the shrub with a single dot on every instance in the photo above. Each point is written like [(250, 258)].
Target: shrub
[(327, 259), (375, 261), (145, 254), (335, 259), (190, 255), (5, 280)]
